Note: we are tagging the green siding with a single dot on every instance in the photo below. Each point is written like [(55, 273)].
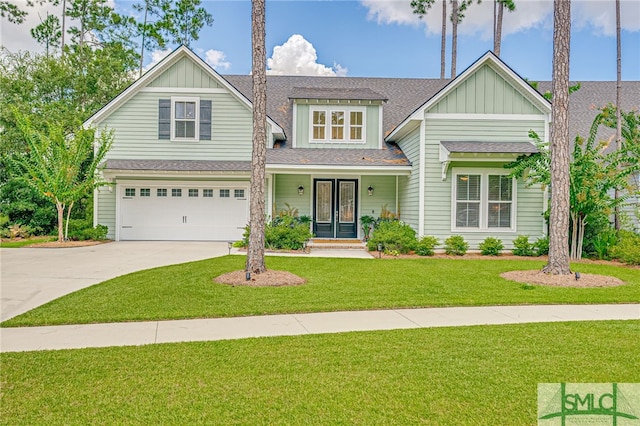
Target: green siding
[(137, 131), (185, 74), (484, 92), (372, 129), (107, 210), (286, 192), (438, 192), (384, 195), (409, 186)]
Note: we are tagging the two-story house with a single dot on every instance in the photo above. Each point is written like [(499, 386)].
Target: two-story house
[(429, 151)]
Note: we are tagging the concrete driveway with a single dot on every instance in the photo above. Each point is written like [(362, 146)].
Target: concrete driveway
[(31, 277)]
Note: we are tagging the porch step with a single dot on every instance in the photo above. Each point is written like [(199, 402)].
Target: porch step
[(336, 244)]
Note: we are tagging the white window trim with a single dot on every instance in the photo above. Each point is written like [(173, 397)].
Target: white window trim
[(347, 110), (484, 200), (175, 99)]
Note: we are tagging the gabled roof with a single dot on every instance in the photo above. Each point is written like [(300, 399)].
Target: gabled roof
[(166, 63), (497, 65)]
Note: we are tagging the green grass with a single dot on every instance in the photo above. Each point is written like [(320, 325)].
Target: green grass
[(482, 375), (188, 290), (25, 242)]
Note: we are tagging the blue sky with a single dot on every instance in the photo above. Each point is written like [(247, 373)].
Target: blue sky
[(376, 38)]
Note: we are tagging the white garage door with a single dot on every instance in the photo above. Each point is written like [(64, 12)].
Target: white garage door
[(183, 211)]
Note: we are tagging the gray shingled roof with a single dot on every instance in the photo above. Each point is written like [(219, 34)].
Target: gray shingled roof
[(490, 147), (364, 94), (391, 155), (179, 165), (405, 95)]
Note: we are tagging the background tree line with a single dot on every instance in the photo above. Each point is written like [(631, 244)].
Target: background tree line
[(90, 54)]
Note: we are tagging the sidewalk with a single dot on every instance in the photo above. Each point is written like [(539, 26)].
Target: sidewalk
[(151, 332)]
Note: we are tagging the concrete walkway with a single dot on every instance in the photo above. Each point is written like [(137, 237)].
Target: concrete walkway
[(151, 332)]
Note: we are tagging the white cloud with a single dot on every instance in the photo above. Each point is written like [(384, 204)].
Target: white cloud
[(598, 14), (217, 60), (298, 57), (157, 56)]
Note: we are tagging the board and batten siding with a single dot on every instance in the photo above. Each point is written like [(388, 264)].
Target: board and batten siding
[(485, 92), (136, 136), (303, 123), (185, 74), (409, 186), (438, 203)]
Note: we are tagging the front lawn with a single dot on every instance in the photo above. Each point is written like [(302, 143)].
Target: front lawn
[(25, 242), (481, 375), (188, 290)]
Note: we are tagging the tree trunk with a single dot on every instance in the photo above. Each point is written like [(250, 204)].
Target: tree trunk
[(498, 37), (144, 33), (454, 36), (64, 15), (66, 225), (255, 251), (495, 23), (60, 209), (559, 219), (443, 41), (618, 105), (574, 234)]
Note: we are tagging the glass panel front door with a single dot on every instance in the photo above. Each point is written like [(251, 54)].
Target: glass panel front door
[(335, 208)]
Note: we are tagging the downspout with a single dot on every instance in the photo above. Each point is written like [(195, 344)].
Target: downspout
[(421, 183)]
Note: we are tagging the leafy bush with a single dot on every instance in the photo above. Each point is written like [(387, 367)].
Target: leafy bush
[(522, 246), (426, 246), (283, 233), (83, 229), (491, 246), (541, 246), (627, 248), (603, 242), (394, 236), (456, 245), (17, 231), (25, 206)]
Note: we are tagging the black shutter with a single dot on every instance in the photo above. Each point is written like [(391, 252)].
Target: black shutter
[(164, 119), (205, 120)]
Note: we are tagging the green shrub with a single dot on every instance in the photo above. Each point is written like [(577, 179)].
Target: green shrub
[(394, 236), (491, 246), (83, 229), (283, 233), (627, 249), (522, 246), (456, 245), (541, 246), (426, 246), (603, 242)]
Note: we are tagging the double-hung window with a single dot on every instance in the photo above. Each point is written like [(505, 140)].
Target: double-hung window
[(482, 201), (336, 124), (184, 123)]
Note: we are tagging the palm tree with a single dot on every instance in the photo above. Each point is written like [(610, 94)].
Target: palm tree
[(498, 11), (558, 263), (255, 251)]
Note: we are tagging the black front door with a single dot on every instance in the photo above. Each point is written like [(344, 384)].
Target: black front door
[(335, 210)]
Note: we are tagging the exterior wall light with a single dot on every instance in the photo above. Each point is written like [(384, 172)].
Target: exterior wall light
[(370, 190), (301, 190)]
